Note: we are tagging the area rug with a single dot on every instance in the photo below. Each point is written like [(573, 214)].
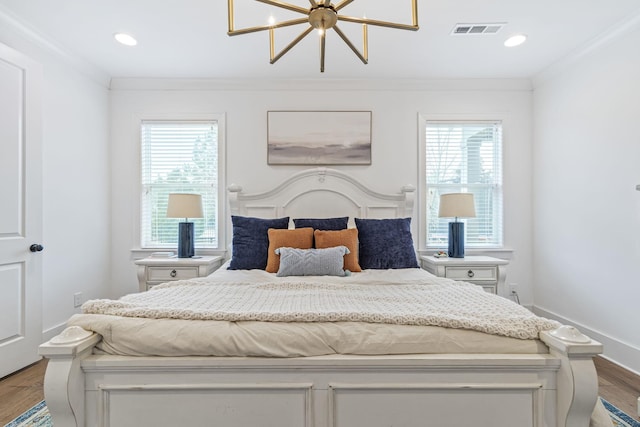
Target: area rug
[(38, 416), (619, 418)]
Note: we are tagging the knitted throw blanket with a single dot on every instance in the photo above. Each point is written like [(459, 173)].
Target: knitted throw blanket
[(448, 304)]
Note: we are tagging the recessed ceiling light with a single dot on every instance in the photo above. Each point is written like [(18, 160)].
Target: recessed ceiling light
[(125, 39), (515, 40)]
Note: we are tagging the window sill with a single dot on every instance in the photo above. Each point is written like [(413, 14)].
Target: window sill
[(139, 253), (502, 253)]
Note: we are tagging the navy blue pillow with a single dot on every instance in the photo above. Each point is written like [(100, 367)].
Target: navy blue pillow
[(251, 241), (386, 243), (322, 223)]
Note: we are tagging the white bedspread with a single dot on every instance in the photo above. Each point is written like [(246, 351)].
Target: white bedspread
[(400, 297), (391, 305)]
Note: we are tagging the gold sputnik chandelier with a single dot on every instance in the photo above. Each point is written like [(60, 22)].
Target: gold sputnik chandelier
[(322, 16)]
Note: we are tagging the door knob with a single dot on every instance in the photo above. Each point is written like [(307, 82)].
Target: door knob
[(36, 248)]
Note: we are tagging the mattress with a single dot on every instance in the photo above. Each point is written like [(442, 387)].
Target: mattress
[(135, 335)]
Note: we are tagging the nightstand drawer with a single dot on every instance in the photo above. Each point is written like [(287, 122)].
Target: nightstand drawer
[(155, 270), (483, 271), (471, 273), (492, 289), (165, 274)]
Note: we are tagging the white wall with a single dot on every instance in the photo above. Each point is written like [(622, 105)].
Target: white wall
[(76, 223), (586, 209), (578, 219), (394, 151)]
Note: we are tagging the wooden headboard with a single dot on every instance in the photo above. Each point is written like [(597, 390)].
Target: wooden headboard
[(322, 193)]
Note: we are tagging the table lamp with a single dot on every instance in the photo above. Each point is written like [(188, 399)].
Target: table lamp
[(185, 206), (456, 205)]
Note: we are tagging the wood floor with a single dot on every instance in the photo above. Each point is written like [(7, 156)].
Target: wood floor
[(618, 386), (23, 389)]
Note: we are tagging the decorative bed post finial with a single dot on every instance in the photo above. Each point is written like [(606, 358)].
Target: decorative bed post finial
[(234, 190)]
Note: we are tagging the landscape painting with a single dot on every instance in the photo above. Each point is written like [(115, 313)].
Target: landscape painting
[(319, 137)]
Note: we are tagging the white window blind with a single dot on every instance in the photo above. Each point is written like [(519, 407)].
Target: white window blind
[(178, 157), (465, 157)]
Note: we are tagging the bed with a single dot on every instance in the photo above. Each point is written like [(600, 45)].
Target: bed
[(187, 353)]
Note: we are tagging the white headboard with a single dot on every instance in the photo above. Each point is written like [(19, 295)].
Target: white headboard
[(322, 193)]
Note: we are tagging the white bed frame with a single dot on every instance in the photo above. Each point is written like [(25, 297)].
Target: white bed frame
[(558, 389)]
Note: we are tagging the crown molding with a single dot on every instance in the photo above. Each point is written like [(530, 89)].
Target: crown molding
[(621, 28), (21, 29), (431, 85)]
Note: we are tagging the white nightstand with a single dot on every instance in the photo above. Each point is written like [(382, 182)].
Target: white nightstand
[(153, 271), (485, 271)]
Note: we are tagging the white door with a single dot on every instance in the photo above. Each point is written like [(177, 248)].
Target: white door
[(20, 210)]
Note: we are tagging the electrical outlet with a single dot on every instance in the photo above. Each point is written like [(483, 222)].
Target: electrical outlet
[(77, 299), (513, 288)]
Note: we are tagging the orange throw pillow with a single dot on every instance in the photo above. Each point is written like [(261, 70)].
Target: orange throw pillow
[(300, 238), (348, 238)]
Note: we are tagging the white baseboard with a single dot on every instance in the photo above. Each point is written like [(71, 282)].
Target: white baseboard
[(52, 332), (619, 352)]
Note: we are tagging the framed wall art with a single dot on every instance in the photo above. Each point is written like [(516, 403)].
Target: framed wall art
[(319, 137)]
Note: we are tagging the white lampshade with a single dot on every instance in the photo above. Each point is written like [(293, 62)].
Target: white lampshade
[(459, 205), (182, 205)]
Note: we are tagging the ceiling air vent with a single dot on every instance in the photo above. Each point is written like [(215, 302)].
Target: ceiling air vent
[(474, 29)]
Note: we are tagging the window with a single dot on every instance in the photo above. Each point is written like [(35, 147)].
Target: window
[(178, 157), (464, 157)]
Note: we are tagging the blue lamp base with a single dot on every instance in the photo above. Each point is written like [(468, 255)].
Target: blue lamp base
[(456, 240), (185, 240)]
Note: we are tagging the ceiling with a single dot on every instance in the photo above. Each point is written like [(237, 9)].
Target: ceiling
[(188, 38)]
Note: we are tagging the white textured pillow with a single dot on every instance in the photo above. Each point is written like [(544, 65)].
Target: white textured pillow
[(312, 262)]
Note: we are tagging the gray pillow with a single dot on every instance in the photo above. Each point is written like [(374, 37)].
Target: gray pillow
[(312, 262)]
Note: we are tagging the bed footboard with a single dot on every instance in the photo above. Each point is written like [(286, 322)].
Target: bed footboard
[(538, 390), (577, 378), (64, 379)]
